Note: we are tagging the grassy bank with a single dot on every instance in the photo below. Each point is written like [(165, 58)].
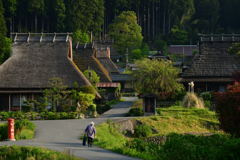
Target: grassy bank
[(179, 134), (181, 120), (24, 129), (32, 153)]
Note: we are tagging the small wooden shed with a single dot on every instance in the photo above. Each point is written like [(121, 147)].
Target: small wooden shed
[(149, 104)]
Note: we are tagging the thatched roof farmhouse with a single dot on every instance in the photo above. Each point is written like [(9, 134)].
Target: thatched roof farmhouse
[(35, 59), (213, 68)]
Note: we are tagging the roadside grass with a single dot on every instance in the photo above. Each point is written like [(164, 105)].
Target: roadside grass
[(32, 153), (24, 129), (180, 120), (184, 131), (109, 137)]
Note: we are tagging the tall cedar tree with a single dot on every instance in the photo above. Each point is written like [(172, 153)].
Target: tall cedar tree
[(10, 12), (3, 29), (125, 31), (85, 15), (4, 42), (36, 8)]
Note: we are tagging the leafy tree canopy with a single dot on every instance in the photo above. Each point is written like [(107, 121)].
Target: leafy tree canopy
[(234, 49), (92, 76), (178, 36), (126, 32), (81, 37), (3, 29), (156, 77), (5, 48)]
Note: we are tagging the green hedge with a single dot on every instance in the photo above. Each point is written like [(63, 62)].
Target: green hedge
[(135, 112), (24, 129), (32, 153), (39, 116), (187, 147)]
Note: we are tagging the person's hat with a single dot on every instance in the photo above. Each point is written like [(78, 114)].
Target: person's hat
[(92, 123)]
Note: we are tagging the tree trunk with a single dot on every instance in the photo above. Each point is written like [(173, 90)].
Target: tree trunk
[(153, 21), (42, 30), (164, 21), (36, 23)]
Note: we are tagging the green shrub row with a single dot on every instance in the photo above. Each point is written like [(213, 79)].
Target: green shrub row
[(24, 129), (187, 147), (135, 112), (32, 153), (39, 116)]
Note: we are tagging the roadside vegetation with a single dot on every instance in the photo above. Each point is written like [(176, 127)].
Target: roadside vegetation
[(32, 153), (24, 129), (175, 133)]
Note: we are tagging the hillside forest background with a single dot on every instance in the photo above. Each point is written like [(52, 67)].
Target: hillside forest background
[(170, 21)]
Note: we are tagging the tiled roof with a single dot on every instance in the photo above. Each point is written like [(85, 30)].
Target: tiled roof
[(186, 50)]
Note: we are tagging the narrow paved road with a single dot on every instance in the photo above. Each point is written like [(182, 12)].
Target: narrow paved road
[(63, 135)]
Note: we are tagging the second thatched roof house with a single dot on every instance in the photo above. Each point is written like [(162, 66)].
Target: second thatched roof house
[(213, 68)]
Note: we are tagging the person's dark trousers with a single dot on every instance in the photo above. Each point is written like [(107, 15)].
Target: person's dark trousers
[(90, 141)]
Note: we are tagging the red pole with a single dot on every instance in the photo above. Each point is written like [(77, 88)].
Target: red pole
[(11, 130)]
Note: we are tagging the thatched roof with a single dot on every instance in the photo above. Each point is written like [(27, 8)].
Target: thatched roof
[(33, 63), (109, 65), (85, 59), (103, 55), (213, 61)]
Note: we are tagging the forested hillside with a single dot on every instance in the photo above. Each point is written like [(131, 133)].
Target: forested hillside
[(156, 17)]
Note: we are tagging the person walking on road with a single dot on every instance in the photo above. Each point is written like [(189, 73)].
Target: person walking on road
[(90, 132)]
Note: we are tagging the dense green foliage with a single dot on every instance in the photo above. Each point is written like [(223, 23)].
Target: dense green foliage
[(135, 112), (156, 17), (58, 98), (5, 43), (24, 129), (234, 49), (156, 77), (227, 105), (125, 31), (180, 133), (40, 115), (142, 130), (92, 76), (32, 153), (81, 37), (187, 147)]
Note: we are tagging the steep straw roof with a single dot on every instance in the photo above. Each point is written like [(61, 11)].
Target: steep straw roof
[(33, 63), (85, 59)]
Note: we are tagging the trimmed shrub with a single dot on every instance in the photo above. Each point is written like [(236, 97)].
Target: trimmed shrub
[(191, 100), (135, 112), (207, 97), (39, 116), (142, 130), (24, 129), (31, 153), (228, 109), (3, 131), (103, 108)]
